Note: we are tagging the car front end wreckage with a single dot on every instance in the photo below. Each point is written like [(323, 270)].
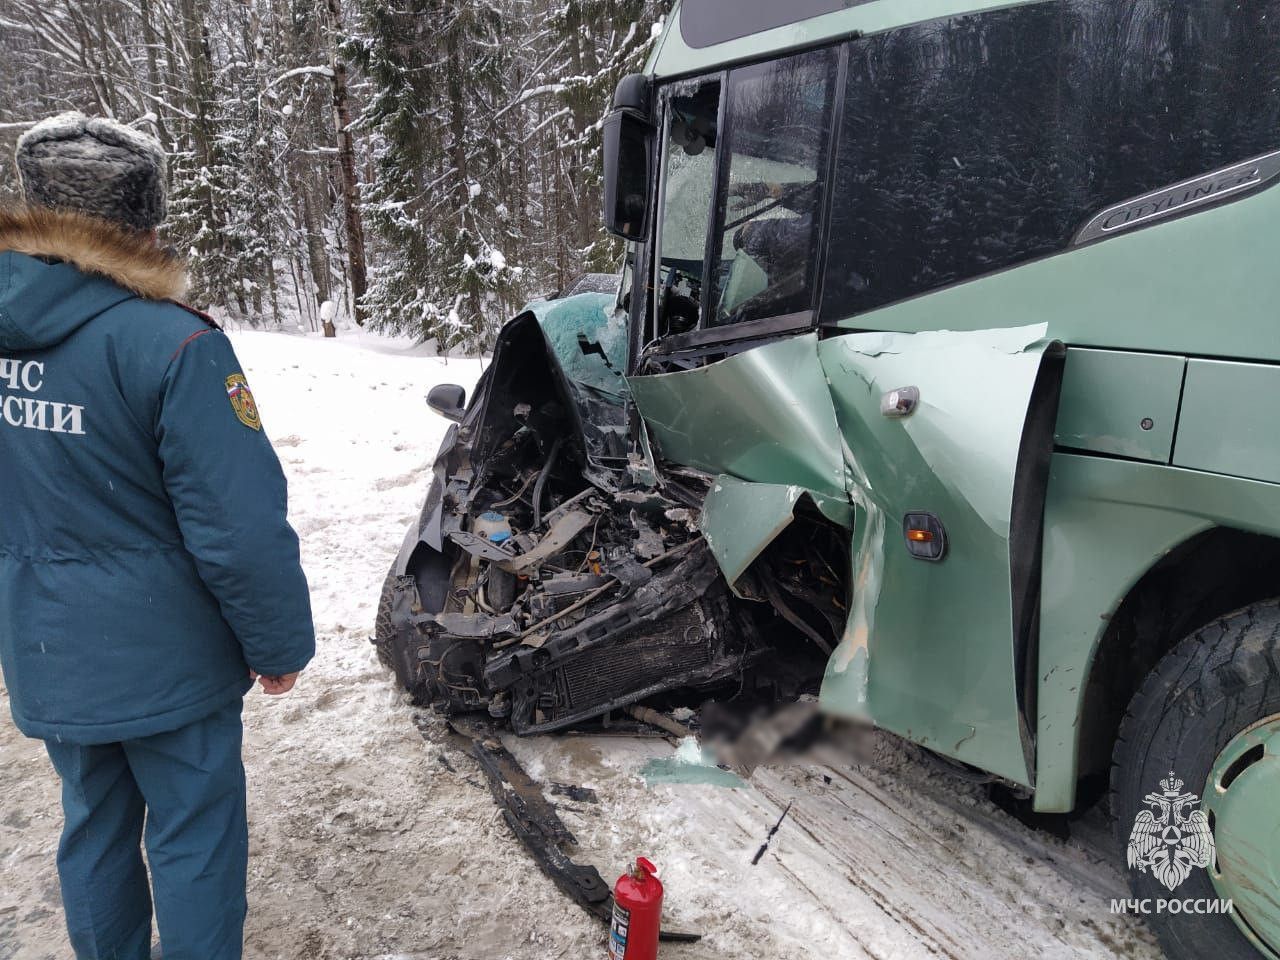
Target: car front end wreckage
[(557, 575)]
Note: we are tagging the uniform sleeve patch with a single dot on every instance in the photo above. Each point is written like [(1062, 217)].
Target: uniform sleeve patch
[(242, 402)]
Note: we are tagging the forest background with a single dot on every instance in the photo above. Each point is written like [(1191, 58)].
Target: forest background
[(422, 166)]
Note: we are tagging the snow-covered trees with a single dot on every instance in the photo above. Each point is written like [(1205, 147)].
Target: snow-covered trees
[(484, 120), (452, 145), (441, 272)]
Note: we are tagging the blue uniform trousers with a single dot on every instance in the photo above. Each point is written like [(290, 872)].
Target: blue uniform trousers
[(188, 786)]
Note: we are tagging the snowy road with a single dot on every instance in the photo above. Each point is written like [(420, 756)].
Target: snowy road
[(370, 842)]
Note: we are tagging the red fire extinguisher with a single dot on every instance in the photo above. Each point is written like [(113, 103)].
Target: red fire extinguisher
[(637, 914)]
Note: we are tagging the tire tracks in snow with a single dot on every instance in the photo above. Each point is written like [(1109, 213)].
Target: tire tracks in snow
[(952, 875)]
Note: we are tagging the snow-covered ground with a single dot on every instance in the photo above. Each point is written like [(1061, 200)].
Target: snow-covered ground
[(371, 841)]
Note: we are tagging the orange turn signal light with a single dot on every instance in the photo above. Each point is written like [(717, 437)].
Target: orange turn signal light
[(925, 535)]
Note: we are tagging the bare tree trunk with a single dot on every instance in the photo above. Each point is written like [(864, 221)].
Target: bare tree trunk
[(462, 178), (275, 296), (347, 167), (297, 290), (200, 94), (152, 41), (317, 261)]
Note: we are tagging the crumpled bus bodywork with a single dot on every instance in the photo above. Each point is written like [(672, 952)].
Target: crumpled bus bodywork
[(815, 407)]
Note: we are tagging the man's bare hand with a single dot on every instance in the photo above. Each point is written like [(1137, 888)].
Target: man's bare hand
[(275, 686)]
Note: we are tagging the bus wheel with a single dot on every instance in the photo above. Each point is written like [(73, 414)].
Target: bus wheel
[(1195, 791)]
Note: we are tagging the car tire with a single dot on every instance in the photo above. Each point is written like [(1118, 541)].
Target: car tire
[(397, 651), (1215, 684), (383, 631)]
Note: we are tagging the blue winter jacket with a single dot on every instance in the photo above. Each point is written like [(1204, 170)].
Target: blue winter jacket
[(146, 563)]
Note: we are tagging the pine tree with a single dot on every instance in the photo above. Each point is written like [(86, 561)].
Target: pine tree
[(437, 68), (608, 39)]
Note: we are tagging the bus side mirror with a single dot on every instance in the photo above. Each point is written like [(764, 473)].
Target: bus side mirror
[(449, 400), (628, 149)]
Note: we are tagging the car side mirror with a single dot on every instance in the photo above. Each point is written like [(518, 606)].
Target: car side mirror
[(449, 400)]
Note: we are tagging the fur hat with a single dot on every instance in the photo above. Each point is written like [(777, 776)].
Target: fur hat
[(94, 166)]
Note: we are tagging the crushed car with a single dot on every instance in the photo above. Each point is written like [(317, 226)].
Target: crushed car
[(555, 575)]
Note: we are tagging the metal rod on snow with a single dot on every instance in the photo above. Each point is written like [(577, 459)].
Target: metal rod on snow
[(765, 846)]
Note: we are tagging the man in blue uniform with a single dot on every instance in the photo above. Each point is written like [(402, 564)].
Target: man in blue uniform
[(147, 570)]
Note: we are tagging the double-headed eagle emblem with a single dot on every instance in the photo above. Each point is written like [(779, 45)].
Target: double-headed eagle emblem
[(1172, 837), (242, 402)]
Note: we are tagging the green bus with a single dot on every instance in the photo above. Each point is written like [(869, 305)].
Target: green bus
[(937, 384)]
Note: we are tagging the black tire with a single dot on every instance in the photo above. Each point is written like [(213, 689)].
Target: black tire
[(383, 631), (1218, 681), (397, 651)]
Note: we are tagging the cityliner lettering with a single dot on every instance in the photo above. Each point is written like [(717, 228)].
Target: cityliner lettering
[(1182, 197)]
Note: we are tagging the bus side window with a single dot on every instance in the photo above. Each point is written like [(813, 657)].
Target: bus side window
[(765, 248)]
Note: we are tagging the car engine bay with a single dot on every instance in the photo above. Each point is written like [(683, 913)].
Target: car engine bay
[(572, 580)]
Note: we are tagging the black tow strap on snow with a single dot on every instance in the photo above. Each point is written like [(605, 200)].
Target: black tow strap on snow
[(536, 824)]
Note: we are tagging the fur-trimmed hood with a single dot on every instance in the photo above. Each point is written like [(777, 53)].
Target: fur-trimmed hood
[(95, 247), (59, 270)]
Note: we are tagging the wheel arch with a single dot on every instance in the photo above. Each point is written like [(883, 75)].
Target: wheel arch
[(1209, 575), (1136, 556)]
